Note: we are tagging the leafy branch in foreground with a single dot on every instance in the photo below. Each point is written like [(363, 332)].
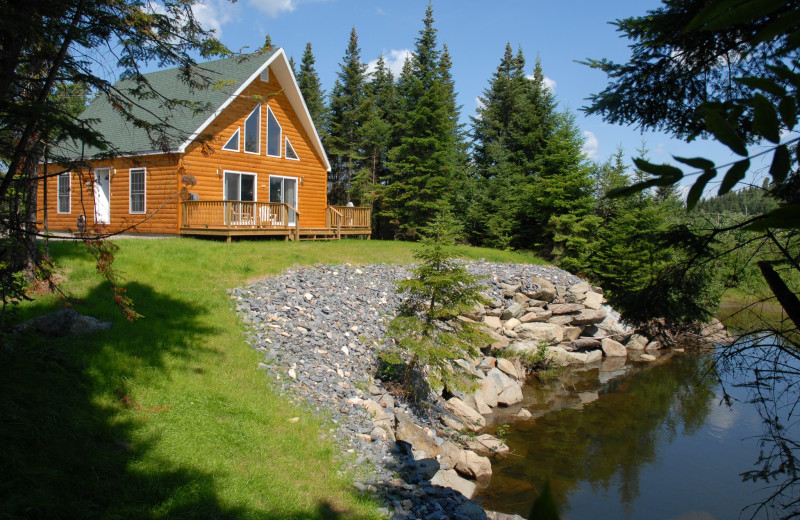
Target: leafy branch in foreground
[(427, 331)]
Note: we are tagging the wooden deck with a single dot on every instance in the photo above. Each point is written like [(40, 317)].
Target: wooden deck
[(233, 218)]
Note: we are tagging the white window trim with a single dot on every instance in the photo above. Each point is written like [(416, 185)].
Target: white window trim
[(130, 191), (225, 184), (238, 135), (257, 110), (288, 145), (68, 176), (269, 111)]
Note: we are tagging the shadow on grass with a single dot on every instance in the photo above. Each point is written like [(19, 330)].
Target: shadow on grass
[(66, 448)]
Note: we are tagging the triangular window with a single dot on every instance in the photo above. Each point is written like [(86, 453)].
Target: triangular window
[(290, 154), (233, 143)]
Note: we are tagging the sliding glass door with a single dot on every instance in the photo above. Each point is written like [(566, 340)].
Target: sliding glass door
[(284, 189)]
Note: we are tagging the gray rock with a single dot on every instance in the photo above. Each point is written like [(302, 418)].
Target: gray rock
[(589, 317), (449, 478), (580, 288), (547, 332), (65, 322), (613, 348), (468, 416), (593, 301), (565, 308), (514, 310)]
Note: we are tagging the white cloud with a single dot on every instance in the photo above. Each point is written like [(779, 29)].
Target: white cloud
[(479, 103), (210, 14), (549, 83), (660, 149), (275, 7), (394, 61), (591, 145)]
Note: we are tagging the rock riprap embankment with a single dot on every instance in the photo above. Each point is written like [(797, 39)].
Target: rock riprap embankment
[(320, 329)]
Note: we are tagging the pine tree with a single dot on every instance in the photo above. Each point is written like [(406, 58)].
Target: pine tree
[(378, 137), (426, 330), (311, 88), (345, 127), (423, 164)]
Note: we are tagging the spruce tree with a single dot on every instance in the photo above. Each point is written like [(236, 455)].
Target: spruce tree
[(427, 331), (378, 134), (423, 164), (345, 126), (311, 88)]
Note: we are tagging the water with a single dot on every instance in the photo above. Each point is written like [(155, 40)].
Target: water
[(621, 441)]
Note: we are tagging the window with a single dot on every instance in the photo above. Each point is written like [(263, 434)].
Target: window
[(233, 143), (64, 193), (252, 131), (240, 186), (290, 151), (273, 135), (137, 190)]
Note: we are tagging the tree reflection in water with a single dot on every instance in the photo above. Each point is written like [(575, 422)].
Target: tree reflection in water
[(597, 430)]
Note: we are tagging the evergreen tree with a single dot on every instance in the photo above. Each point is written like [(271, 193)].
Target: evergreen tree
[(529, 158), (423, 164), (426, 330), (378, 135), (347, 117), (311, 88)]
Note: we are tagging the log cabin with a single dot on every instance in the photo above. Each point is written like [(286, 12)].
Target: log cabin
[(240, 159)]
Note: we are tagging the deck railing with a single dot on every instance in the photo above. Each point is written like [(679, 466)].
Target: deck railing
[(348, 217), (215, 214)]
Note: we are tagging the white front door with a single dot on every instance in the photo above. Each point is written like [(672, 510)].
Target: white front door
[(102, 196)]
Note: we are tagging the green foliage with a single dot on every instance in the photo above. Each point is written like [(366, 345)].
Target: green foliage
[(311, 88), (430, 149), (529, 166), (348, 113), (427, 329), (736, 80)]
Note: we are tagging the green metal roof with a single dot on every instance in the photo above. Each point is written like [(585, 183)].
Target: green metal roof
[(229, 75)]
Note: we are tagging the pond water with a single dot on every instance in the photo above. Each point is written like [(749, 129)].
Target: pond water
[(631, 441)]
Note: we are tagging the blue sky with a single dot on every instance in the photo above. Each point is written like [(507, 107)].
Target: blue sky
[(557, 31)]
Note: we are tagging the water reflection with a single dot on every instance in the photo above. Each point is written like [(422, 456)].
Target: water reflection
[(620, 441)]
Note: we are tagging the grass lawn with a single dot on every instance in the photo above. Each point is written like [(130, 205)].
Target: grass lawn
[(167, 417)]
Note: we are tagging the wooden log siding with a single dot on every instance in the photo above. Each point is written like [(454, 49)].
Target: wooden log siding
[(161, 197), (209, 164)]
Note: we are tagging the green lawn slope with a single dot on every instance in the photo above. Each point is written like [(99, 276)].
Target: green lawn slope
[(167, 417)]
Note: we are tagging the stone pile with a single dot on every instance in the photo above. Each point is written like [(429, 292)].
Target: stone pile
[(321, 327)]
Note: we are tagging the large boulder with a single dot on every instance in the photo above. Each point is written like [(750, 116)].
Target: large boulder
[(536, 314), (449, 478), (613, 348), (593, 301), (474, 466), (589, 317), (493, 322), (565, 308), (550, 333), (468, 416), (423, 446), (508, 391), (507, 367), (66, 322), (637, 342), (487, 444), (584, 358), (514, 310)]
